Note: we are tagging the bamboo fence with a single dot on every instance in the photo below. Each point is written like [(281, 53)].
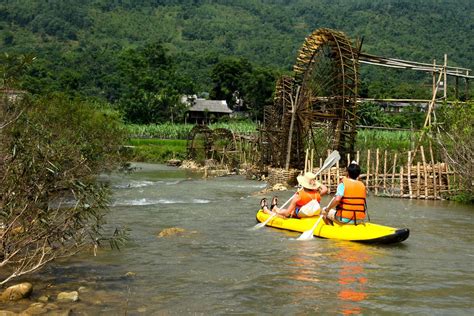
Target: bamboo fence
[(412, 174), (386, 174)]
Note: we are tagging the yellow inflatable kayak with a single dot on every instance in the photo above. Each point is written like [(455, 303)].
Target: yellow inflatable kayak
[(365, 233)]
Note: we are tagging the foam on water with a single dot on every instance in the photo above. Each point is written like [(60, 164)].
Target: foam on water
[(201, 201), (147, 201), (134, 184)]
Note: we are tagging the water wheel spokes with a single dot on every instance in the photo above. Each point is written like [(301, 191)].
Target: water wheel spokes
[(323, 90)]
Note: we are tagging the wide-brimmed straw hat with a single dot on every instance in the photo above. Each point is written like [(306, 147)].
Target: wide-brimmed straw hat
[(308, 181)]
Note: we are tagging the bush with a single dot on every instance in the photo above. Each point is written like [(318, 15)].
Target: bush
[(51, 202), (455, 137)]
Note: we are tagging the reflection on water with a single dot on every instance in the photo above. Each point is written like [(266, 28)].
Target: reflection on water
[(219, 266), (352, 278)]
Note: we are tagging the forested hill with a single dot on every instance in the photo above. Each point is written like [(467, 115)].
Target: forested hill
[(74, 38)]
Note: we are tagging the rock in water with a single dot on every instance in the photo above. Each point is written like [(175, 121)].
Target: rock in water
[(171, 231), (35, 309), (17, 292), (174, 162), (279, 187), (68, 296)]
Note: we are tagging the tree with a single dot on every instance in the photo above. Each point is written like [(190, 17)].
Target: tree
[(257, 90), (228, 76), (51, 201), (150, 89), (455, 136)]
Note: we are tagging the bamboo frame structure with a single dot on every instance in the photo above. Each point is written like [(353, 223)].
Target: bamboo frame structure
[(413, 179)]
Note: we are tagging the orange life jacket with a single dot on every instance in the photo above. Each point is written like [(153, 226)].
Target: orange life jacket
[(307, 196), (352, 205)]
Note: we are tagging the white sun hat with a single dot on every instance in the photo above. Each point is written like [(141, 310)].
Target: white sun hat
[(308, 181)]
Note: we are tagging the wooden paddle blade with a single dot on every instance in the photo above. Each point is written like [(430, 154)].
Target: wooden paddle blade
[(330, 161), (308, 235), (260, 225)]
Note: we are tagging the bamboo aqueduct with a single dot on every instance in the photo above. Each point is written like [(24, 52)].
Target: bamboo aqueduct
[(319, 102)]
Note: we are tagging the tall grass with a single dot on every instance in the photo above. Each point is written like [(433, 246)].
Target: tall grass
[(161, 131), (157, 150), (181, 131), (386, 140)]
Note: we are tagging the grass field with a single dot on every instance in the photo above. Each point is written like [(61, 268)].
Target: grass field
[(181, 131), (157, 150), (386, 140)]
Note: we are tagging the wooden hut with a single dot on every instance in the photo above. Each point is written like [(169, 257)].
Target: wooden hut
[(204, 111)]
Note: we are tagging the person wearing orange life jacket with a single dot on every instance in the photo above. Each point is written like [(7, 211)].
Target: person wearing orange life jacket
[(350, 199), (311, 190)]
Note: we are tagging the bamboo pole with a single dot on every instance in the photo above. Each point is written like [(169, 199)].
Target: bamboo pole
[(447, 177), (385, 172), (311, 161), (424, 171), (445, 85), (357, 156), (292, 122), (368, 169), (434, 76), (410, 192), (393, 173), (329, 180), (239, 146), (306, 162), (320, 166), (377, 171), (435, 185), (418, 180), (401, 181), (440, 178), (337, 172), (348, 159)]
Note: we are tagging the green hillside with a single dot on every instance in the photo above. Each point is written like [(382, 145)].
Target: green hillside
[(92, 47)]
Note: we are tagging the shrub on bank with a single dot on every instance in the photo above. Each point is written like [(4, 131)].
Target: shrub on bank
[(51, 201)]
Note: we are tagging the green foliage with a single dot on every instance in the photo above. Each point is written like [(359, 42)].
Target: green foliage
[(371, 114), (161, 131), (455, 137), (80, 44), (399, 141), (181, 131), (227, 78), (12, 67), (52, 204), (149, 89), (257, 91), (242, 85)]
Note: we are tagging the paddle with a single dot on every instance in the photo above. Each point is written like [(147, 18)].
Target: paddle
[(307, 235), (328, 163)]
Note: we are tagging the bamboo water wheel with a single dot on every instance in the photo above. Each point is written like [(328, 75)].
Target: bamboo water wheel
[(322, 93), (199, 143), (206, 144), (224, 148)]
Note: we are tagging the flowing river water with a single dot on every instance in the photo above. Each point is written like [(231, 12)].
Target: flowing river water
[(219, 265)]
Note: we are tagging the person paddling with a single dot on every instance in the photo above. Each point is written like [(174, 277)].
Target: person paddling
[(349, 201), (309, 196)]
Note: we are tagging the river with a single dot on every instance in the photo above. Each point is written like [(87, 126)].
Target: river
[(219, 265)]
